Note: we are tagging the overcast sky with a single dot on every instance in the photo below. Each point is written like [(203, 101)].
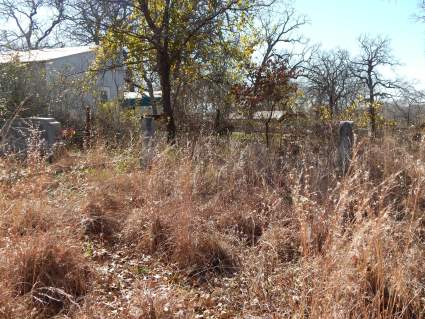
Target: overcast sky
[(338, 23)]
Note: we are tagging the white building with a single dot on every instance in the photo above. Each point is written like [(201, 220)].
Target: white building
[(71, 62)]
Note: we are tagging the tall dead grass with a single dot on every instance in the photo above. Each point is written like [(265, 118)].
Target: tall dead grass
[(262, 232), (45, 272)]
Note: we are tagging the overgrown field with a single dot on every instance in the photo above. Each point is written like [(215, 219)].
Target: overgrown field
[(215, 228)]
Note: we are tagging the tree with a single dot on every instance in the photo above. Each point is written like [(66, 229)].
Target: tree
[(375, 54), (269, 85), (89, 20), (169, 36), (277, 30), (29, 25), (407, 106), (270, 91), (331, 81)]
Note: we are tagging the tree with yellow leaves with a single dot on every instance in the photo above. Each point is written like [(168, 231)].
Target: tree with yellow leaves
[(173, 38)]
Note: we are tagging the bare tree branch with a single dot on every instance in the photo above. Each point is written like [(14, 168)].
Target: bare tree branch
[(31, 28), (375, 53)]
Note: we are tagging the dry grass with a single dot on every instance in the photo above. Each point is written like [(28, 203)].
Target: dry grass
[(216, 229), (47, 273)]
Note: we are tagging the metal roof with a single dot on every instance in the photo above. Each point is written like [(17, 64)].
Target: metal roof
[(44, 54)]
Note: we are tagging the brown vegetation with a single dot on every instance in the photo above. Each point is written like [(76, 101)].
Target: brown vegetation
[(215, 229), (45, 272)]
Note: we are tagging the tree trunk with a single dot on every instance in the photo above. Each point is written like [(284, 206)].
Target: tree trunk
[(87, 129), (331, 107), (151, 95), (165, 80), (372, 115)]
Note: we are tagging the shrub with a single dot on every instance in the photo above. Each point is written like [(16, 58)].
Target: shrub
[(116, 125)]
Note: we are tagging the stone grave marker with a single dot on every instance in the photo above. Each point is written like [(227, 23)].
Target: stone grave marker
[(17, 137), (148, 125), (345, 147)]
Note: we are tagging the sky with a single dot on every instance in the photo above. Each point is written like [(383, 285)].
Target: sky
[(339, 23)]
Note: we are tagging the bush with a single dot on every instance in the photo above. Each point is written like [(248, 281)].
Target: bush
[(115, 125)]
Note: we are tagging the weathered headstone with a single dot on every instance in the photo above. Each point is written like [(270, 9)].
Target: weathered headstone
[(49, 128), (345, 148), (17, 139), (148, 125), (148, 128)]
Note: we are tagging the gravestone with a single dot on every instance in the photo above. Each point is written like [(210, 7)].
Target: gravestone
[(17, 137), (345, 148), (148, 126), (50, 129)]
